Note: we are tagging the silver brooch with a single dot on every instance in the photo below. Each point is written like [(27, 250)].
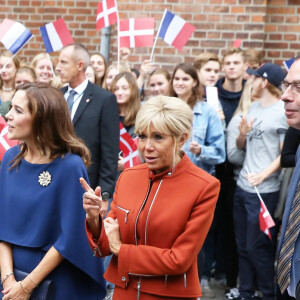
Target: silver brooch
[(45, 178)]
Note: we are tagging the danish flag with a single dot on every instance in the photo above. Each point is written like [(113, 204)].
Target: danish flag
[(107, 13), (5, 143), (129, 148), (136, 32), (265, 219)]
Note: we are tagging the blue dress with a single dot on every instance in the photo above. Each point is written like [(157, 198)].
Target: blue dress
[(33, 218)]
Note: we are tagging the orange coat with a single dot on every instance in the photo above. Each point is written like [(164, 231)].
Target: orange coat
[(164, 220)]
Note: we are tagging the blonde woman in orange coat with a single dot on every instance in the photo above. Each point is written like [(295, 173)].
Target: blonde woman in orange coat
[(161, 212)]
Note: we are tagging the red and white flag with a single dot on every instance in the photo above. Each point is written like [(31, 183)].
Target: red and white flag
[(135, 33), (5, 143), (107, 13), (129, 148), (265, 219)]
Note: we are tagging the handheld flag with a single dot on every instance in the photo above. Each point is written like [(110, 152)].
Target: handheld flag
[(129, 148), (56, 35), (265, 219), (14, 35), (107, 13), (135, 33), (237, 43), (5, 143), (174, 30)]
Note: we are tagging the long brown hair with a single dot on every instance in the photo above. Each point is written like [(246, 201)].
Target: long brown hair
[(190, 70), (14, 59), (134, 102), (52, 128)]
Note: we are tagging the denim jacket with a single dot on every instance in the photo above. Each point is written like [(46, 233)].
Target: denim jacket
[(208, 133)]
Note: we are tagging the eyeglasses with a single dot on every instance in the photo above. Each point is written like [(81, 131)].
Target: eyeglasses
[(295, 86)]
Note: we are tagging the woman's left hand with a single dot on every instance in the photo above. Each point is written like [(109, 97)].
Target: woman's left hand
[(255, 178), (15, 292), (112, 230), (195, 148)]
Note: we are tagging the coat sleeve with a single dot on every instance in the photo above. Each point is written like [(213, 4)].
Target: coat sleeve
[(149, 260), (110, 136)]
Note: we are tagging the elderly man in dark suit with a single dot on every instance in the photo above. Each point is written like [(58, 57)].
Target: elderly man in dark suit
[(288, 273), (94, 113)]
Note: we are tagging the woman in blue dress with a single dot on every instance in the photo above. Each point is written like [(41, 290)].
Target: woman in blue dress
[(41, 216)]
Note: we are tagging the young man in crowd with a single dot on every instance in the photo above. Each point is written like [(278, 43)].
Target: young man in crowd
[(261, 137)]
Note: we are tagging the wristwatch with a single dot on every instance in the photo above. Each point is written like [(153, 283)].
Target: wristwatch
[(105, 196)]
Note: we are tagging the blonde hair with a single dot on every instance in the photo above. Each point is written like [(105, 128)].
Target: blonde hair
[(109, 68), (39, 57), (254, 56), (169, 115), (204, 58), (233, 50), (14, 59), (245, 100)]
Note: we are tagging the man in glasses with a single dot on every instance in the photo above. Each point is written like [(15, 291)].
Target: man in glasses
[(288, 266), (261, 137)]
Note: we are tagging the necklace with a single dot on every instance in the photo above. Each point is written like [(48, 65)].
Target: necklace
[(7, 89)]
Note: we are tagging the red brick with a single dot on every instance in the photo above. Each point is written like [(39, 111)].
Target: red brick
[(275, 37), (274, 54), (290, 37), (270, 45), (280, 10)]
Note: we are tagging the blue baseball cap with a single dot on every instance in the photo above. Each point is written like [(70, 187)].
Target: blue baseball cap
[(272, 72)]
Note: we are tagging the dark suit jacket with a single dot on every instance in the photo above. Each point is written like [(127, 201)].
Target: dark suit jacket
[(295, 267), (96, 122)]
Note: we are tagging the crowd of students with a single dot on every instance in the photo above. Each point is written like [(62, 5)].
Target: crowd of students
[(240, 143)]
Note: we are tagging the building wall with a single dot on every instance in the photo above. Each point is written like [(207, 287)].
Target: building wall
[(272, 25)]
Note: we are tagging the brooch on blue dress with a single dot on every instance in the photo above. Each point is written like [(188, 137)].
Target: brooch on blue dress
[(45, 178)]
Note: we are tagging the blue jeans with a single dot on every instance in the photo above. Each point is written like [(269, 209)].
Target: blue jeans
[(255, 249)]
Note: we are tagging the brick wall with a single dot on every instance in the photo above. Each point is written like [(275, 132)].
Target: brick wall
[(271, 25)]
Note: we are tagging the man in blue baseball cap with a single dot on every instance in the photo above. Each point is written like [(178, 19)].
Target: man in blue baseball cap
[(261, 137)]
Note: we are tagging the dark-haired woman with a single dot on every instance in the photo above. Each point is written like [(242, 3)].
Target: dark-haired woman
[(41, 218)]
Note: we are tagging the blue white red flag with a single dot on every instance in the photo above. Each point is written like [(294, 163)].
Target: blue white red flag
[(56, 35), (135, 33), (14, 35), (174, 30), (128, 146), (107, 13)]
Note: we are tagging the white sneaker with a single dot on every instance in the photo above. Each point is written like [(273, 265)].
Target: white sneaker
[(206, 290), (232, 294)]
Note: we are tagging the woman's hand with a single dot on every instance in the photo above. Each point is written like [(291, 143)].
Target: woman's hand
[(16, 292), (195, 148), (92, 201), (10, 281), (120, 163), (112, 231), (255, 178)]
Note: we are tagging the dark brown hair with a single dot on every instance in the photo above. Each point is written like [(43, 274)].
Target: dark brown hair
[(134, 102), (190, 70), (52, 128)]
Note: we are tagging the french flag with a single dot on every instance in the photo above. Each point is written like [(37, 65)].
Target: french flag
[(56, 35), (174, 30), (14, 35)]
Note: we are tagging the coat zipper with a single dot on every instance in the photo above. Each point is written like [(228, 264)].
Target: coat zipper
[(185, 281), (125, 210), (138, 289), (137, 217), (95, 251), (150, 210)]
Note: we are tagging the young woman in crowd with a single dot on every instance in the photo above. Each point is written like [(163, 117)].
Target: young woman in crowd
[(159, 82), (42, 221), (153, 234), (8, 66), (43, 67), (98, 62), (92, 75), (125, 88)]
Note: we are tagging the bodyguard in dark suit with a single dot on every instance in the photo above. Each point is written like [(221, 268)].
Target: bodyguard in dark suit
[(288, 273), (94, 113)]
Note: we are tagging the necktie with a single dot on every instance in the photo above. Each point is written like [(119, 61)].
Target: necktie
[(288, 245), (71, 98)]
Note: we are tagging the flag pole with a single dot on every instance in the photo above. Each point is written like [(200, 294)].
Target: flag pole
[(15, 54), (51, 65), (155, 41), (118, 37)]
